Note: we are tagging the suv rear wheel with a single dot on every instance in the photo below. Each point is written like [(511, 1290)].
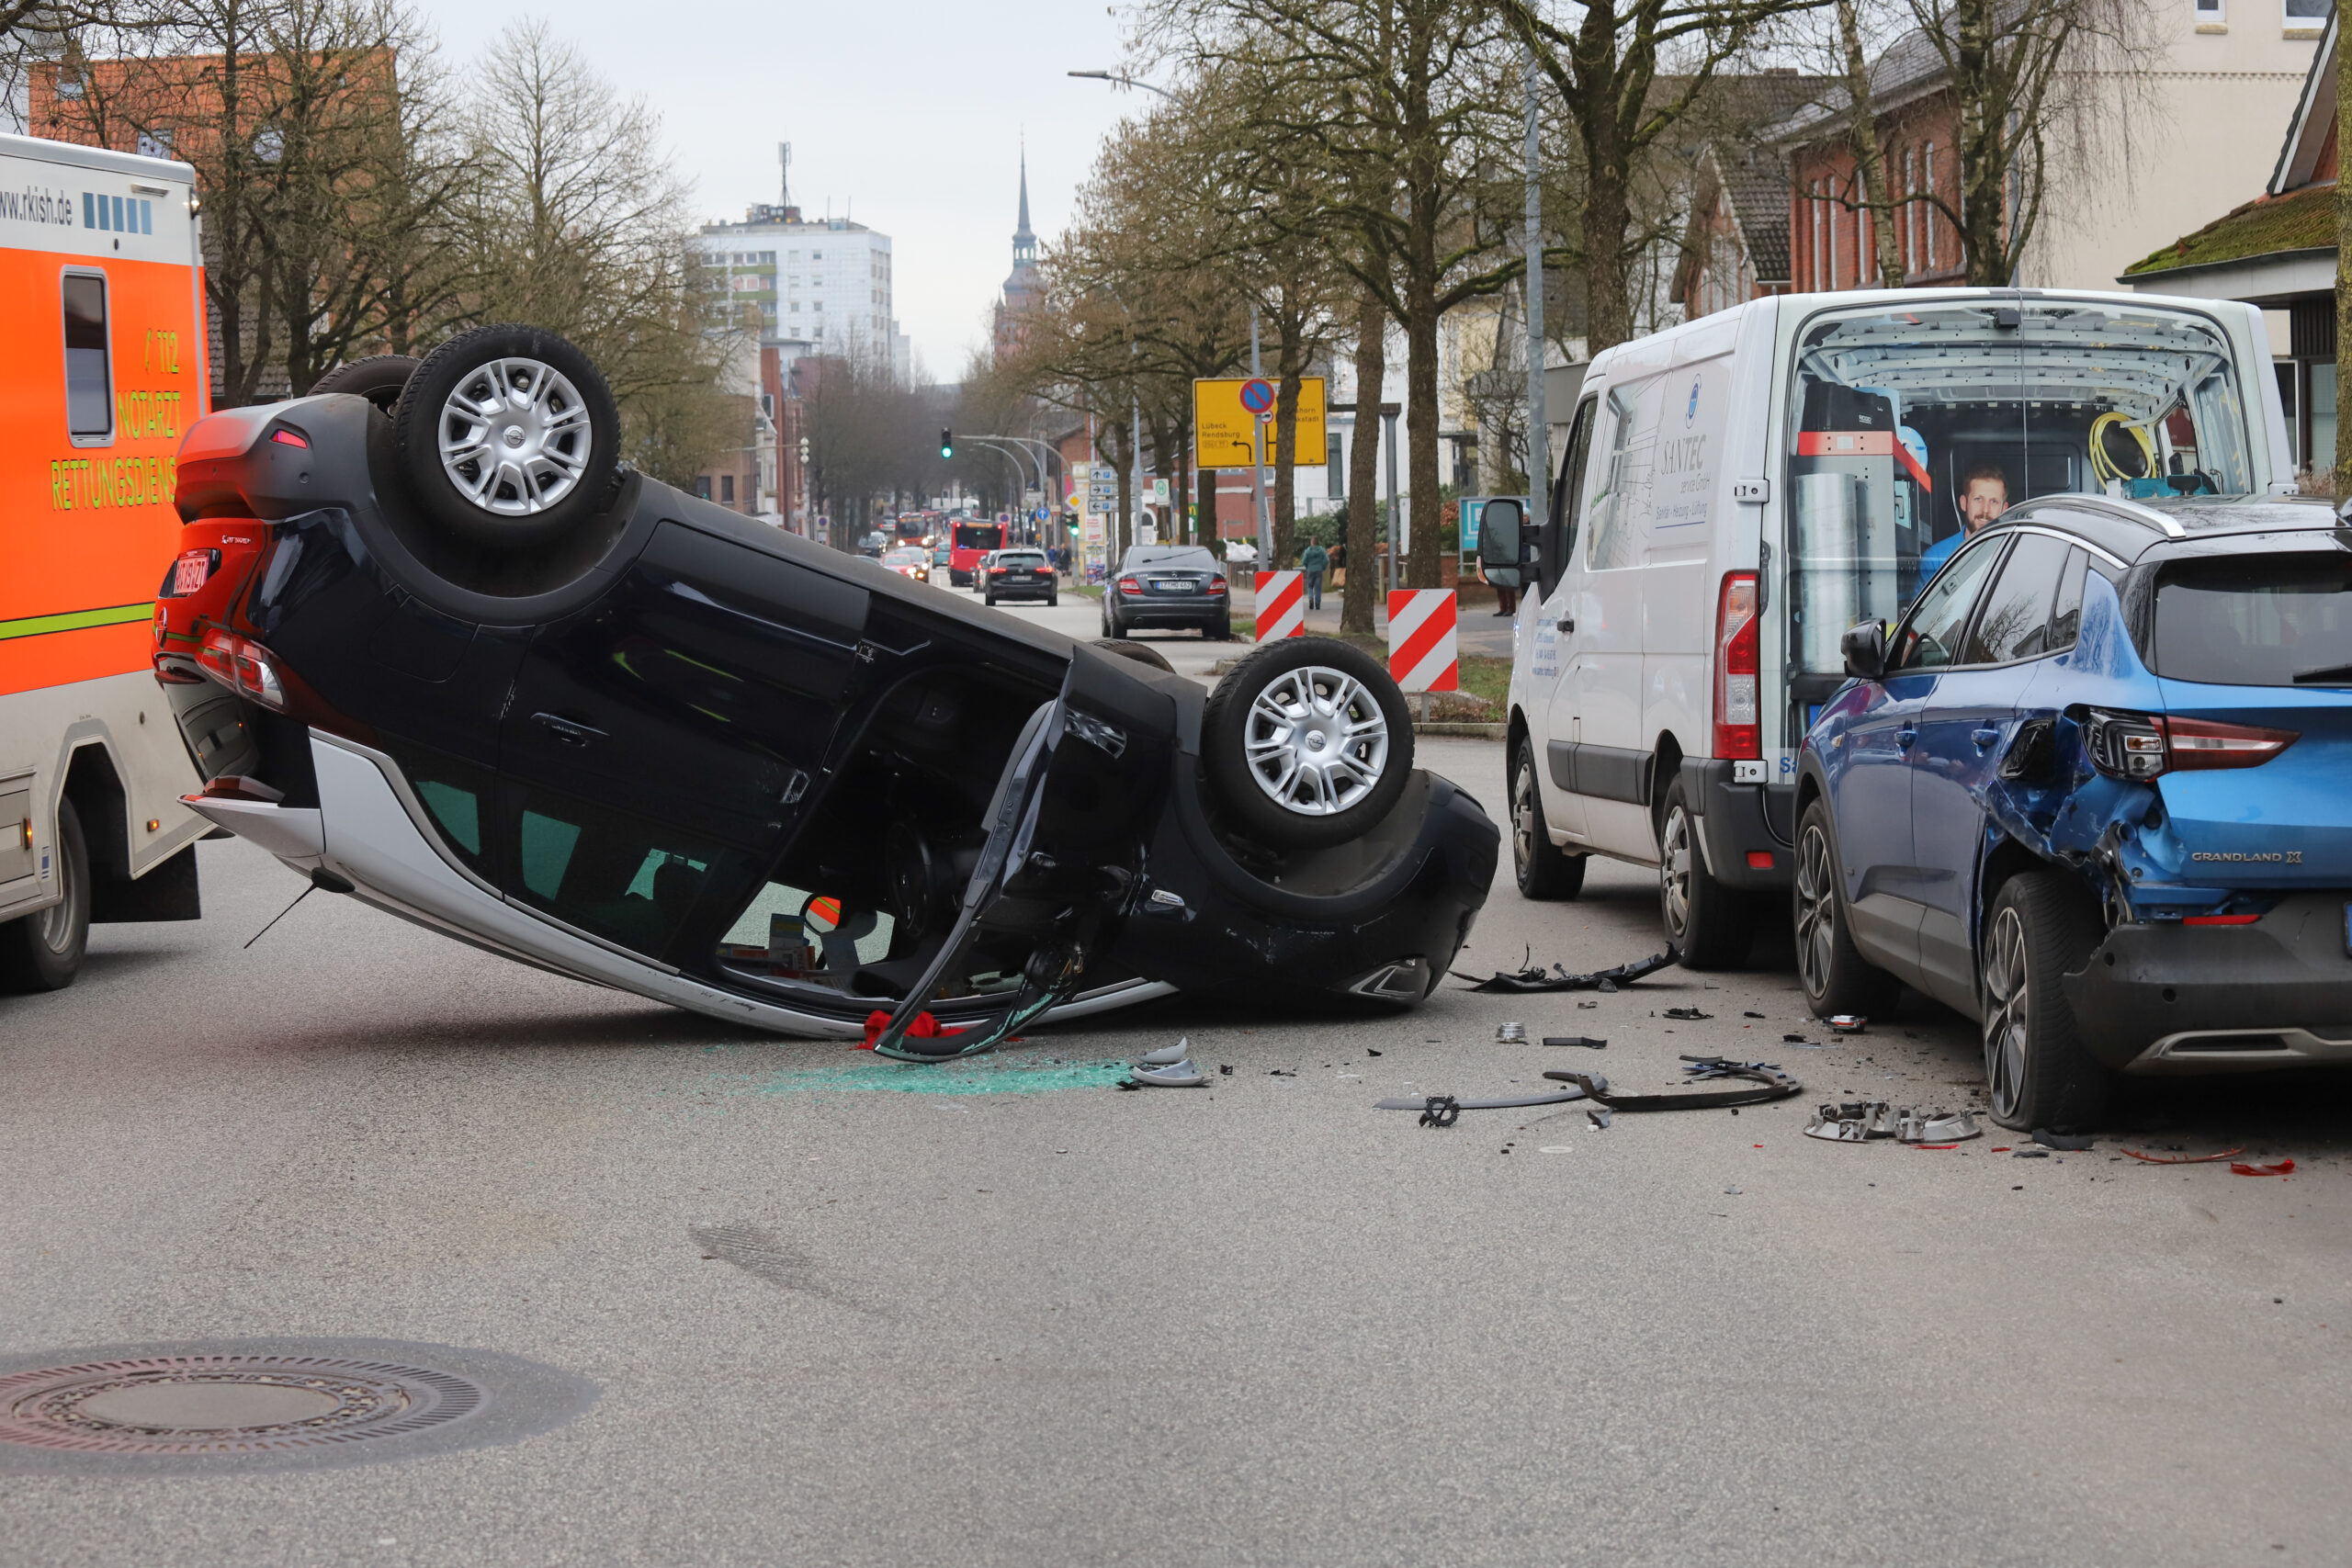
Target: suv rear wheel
[(2037, 1070), (508, 436)]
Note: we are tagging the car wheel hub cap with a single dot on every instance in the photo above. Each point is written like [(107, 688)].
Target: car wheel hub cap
[(514, 438), (1522, 813), (1317, 740), (1674, 871)]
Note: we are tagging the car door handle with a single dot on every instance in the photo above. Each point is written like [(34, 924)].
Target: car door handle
[(1983, 738), (571, 731), (1903, 738), (1567, 623)]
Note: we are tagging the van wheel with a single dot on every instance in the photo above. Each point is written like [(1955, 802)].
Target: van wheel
[(508, 436), (2037, 1072), (1544, 870), (380, 379), (1306, 742), (1711, 924), (1835, 977), (42, 951)]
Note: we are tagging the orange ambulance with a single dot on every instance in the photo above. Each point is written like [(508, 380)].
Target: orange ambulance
[(101, 288)]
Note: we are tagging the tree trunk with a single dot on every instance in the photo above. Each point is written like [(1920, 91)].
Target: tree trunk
[(1363, 591), (1870, 158), (1421, 484), (1984, 162), (1289, 349)]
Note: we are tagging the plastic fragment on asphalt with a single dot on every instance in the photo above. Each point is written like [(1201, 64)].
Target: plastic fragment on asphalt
[(1585, 1041), (1598, 1115), (2284, 1168), (1751, 1015), (1533, 977), (925, 1027), (1936, 1127), (2072, 1143), (1853, 1121), (2030, 1153), (2184, 1159), (1510, 1034), (1774, 1085), (1688, 1015), (1849, 1023), (1439, 1110)]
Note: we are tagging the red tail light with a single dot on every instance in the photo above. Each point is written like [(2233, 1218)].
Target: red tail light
[(2140, 746), (289, 438), (1738, 665), (1216, 585), (242, 665), (996, 572), (2219, 920), (1129, 585)]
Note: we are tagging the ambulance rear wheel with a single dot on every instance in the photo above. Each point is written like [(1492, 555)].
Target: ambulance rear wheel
[(508, 437)]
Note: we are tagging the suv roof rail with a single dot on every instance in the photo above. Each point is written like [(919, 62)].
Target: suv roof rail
[(2129, 510)]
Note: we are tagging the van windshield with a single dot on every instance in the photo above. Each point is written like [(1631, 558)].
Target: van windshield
[(1915, 428)]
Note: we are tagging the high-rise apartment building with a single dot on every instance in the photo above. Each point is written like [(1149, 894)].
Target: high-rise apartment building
[(820, 287)]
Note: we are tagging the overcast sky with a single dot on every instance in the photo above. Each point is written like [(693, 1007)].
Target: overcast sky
[(908, 114)]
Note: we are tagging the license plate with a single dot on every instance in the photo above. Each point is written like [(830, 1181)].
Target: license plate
[(1172, 585), (190, 571)]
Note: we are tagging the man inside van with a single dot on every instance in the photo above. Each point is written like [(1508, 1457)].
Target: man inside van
[(1984, 496)]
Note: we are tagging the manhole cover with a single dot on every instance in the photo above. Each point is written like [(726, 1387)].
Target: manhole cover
[(272, 1404), (225, 1405)]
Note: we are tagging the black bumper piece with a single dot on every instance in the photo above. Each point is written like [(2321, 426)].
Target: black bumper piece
[(1741, 820), (2246, 990)]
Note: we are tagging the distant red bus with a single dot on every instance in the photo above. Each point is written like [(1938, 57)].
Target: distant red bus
[(972, 540)]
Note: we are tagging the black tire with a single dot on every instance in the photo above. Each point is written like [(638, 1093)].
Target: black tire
[(1369, 724), (1141, 652), (1835, 977), (989, 600), (380, 379), (1111, 627), (1544, 869), (1710, 924), (42, 951), (1052, 600), (1222, 631), (577, 436), (2038, 1071)]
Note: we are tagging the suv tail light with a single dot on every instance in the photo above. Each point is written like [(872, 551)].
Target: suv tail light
[(243, 665), (1738, 665), (996, 572), (2140, 746)]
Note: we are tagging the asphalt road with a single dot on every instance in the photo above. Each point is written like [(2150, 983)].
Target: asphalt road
[(1003, 1314)]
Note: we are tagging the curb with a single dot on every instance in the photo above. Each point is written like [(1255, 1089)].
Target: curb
[(1461, 731)]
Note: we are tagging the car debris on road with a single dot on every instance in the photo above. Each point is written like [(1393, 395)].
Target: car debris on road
[(1773, 1083), (1534, 977)]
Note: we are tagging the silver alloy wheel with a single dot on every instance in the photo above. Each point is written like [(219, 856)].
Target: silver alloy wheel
[(1522, 815), (1315, 740), (514, 436), (1816, 912), (1674, 852), (2006, 1012)]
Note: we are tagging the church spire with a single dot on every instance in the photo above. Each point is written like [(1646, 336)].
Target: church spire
[(1024, 244)]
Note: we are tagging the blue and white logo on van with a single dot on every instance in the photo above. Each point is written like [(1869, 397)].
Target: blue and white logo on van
[(1692, 412)]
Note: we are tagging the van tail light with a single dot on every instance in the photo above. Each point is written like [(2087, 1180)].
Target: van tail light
[(244, 666), (1738, 668), (2140, 746)]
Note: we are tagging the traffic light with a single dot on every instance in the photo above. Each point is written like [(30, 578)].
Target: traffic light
[(947, 443), (804, 451)]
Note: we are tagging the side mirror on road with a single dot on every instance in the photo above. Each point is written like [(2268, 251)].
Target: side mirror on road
[(1865, 649), (1503, 544)]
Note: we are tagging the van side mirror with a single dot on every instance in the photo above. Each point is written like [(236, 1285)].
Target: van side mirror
[(1865, 649), (1503, 535)]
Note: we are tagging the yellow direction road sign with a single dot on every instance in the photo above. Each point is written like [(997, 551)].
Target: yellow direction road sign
[(1221, 422)]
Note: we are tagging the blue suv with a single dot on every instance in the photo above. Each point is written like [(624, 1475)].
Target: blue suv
[(2095, 792)]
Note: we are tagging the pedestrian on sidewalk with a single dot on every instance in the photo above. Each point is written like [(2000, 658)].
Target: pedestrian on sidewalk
[(1314, 561)]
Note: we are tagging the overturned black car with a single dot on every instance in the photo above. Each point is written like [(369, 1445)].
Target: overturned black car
[(434, 646)]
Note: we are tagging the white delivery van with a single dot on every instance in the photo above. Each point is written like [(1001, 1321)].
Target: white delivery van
[(1737, 491)]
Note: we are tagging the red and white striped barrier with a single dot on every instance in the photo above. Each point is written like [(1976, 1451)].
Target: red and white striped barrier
[(1421, 639), (1281, 605)]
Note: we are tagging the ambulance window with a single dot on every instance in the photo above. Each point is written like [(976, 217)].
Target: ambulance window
[(89, 400)]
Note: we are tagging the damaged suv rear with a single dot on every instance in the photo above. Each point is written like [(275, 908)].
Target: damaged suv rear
[(2094, 794), (491, 681)]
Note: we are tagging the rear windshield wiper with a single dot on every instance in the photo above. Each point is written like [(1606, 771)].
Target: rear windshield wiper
[(2325, 675)]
